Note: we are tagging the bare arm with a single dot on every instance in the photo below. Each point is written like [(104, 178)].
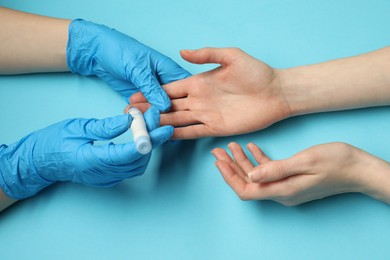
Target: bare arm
[(31, 43), (355, 82), (314, 173), (245, 95)]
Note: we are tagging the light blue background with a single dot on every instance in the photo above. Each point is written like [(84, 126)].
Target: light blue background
[(181, 208)]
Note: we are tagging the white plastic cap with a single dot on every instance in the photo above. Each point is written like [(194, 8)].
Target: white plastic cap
[(143, 144)]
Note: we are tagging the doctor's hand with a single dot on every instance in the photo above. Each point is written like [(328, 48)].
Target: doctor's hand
[(66, 152), (241, 96), (125, 64), (315, 173)]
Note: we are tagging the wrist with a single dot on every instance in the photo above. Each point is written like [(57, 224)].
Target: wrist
[(18, 176), (374, 177), (379, 186), (297, 88), (81, 46)]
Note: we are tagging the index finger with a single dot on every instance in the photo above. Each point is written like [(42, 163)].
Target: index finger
[(137, 98), (178, 89)]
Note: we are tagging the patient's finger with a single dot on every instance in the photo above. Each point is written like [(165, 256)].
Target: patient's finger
[(222, 155), (179, 104), (223, 56), (257, 153), (240, 157), (234, 180), (191, 132), (137, 98), (141, 106), (178, 118), (178, 89)]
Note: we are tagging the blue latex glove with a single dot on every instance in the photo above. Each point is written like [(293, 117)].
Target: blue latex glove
[(121, 61), (65, 152)]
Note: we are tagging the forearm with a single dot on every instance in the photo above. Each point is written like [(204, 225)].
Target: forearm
[(32, 43), (5, 201), (355, 82)]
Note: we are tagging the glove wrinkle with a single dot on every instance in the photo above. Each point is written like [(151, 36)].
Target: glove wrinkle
[(95, 49)]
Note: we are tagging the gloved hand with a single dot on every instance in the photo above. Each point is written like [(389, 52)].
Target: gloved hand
[(65, 152), (121, 61)]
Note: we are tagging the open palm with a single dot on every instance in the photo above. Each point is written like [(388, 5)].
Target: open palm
[(240, 96)]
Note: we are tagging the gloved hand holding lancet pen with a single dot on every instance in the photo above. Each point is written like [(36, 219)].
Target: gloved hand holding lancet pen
[(140, 133)]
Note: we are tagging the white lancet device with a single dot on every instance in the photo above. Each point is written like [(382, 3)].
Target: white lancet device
[(140, 133)]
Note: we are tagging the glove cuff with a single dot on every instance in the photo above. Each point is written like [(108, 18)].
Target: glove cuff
[(82, 46), (18, 178)]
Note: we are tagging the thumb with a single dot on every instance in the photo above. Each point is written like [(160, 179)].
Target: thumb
[(223, 56), (152, 118), (274, 171), (148, 84)]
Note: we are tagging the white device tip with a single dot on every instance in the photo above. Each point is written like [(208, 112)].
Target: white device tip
[(140, 134), (143, 145)]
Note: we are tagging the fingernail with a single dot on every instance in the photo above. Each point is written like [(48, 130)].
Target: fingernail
[(256, 175), (128, 108), (188, 50)]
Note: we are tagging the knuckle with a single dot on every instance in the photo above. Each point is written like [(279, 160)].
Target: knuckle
[(309, 159), (243, 196), (277, 170), (288, 199), (235, 50), (207, 50), (343, 147), (288, 194)]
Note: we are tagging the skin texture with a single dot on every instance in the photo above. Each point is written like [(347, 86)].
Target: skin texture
[(211, 103), (244, 95), (37, 45), (21, 54), (314, 173)]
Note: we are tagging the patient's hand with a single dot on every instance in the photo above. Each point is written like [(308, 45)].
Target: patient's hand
[(314, 173), (241, 96)]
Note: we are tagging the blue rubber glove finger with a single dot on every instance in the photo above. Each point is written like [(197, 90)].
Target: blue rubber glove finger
[(108, 164), (169, 71), (125, 154), (95, 49), (105, 166), (65, 152), (151, 89), (112, 155), (152, 118), (161, 135), (106, 129)]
